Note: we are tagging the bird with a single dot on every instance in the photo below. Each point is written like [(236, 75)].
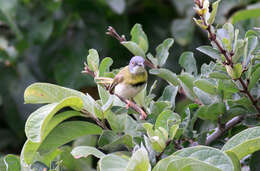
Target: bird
[(130, 80)]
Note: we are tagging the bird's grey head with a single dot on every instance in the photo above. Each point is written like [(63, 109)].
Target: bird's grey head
[(136, 65)]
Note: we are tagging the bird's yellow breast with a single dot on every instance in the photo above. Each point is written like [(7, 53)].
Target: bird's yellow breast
[(133, 79)]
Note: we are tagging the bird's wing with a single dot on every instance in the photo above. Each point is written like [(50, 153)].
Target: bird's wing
[(118, 79)]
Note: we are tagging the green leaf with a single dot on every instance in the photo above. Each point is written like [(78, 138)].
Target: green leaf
[(244, 143), (109, 140), (250, 46), (235, 160), (41, 31), (219, 75), (67, 132), (139, 161), (12, 162), (188, 62), (112, 162), (173, 131), (157, 137), (98, 111), (104, 66), (152, 59), (206, 86), (204, 97), (108, 105), (254, 163), (50, 93), (233, 111), (8, 9), (107, 137), (252, 69), (211, 112), (182, 30), (165, 74), (228, 39), (85, 151), (39, 166), (38, 120), (189, 119), (132, 127), (206, 69), (186, 81), (200, 23), (2, 163), (166, 119), (139, 37), (140, 97), (209, 155), (254, 78), (238, 49), (208, 50), (163, 164), (116, 122), (234, 72), (227, 86), (68, 68), (190, 165), (30, 148), (213, 12), (244, 15), (123, 141), (162, 51), (93, 60), (48, 158), (70, 163), (103, 94), (134, 48), (117, 6), (169, 94), (176, 163)]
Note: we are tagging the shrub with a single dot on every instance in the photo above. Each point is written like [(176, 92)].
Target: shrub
[(215, 132)]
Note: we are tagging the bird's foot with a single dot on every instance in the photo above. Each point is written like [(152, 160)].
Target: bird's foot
[(143, 115), (129, 103)]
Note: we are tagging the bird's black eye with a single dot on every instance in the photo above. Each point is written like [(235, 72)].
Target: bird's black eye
[(133, 63)]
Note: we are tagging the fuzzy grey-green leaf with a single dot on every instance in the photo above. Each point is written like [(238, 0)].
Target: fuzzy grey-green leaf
[(162, 51), (139, 37), (85, 151)]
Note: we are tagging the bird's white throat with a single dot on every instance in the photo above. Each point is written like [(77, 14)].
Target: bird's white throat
[(137, 70)]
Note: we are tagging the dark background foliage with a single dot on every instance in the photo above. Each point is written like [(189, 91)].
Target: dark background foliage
[(47, 41)]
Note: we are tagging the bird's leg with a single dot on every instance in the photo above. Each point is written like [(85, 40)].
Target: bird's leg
[(141, 111), (129, 103), (143, 115)]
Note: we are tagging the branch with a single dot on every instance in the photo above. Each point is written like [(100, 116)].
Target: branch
[(113, 33), (221, 130), (128, 102)]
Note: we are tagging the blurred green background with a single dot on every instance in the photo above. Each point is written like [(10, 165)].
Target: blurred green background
[(48, 41)]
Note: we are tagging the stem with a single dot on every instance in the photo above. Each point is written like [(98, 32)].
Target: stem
[(100, 123)]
